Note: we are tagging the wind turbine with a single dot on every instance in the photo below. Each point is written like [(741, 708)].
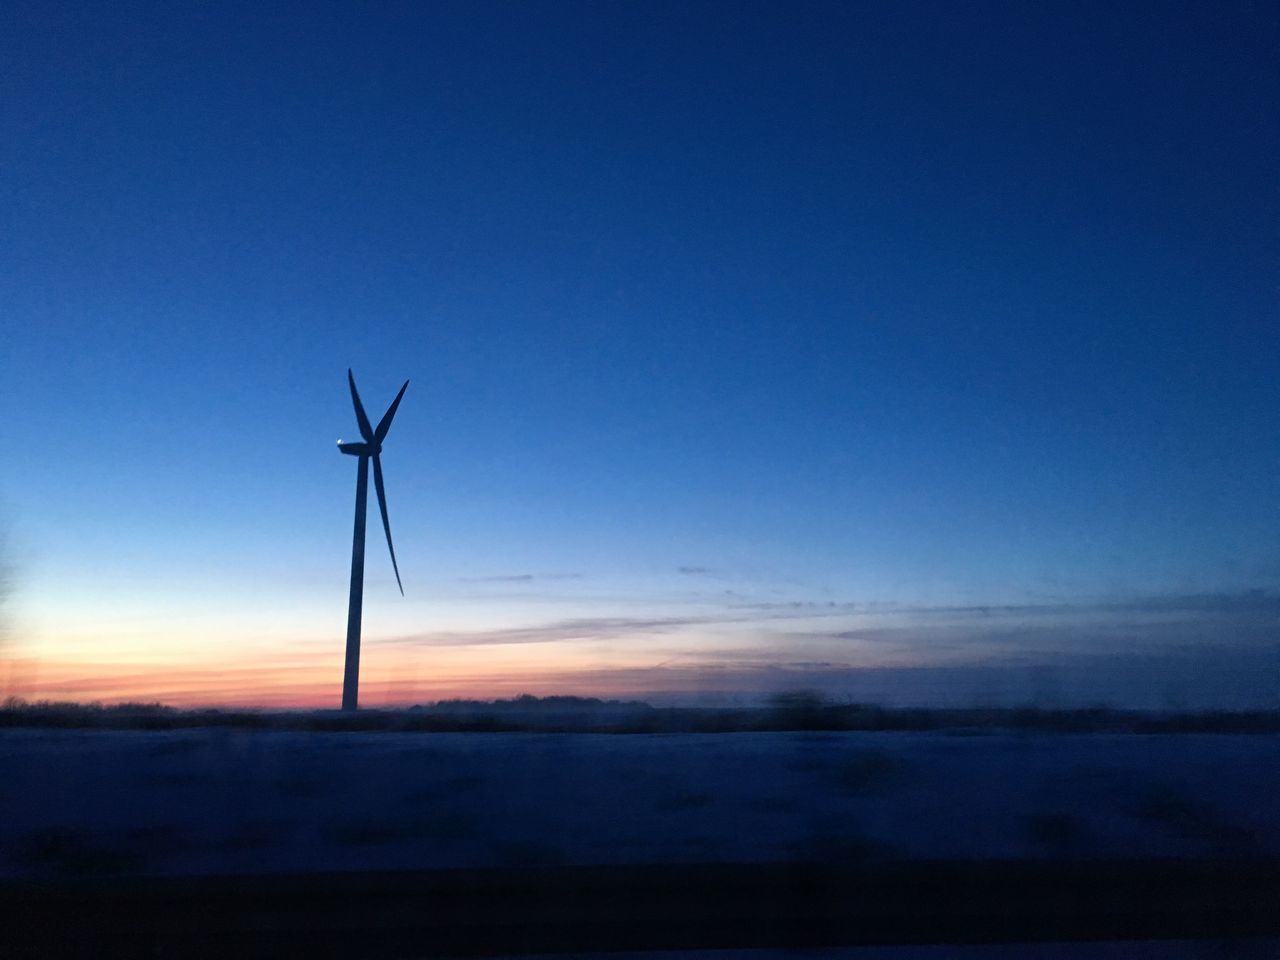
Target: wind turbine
[(371, 448)]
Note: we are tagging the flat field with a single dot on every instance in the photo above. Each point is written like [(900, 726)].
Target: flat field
[(196, 802)]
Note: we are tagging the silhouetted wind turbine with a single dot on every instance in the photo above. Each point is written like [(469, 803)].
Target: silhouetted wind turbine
[(372, 447)]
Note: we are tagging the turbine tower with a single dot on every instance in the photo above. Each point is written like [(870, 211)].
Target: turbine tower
[(371, 448)]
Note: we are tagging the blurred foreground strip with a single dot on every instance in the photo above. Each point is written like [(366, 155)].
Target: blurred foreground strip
[(667, 907)]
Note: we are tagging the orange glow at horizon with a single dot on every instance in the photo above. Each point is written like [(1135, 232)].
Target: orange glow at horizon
[(687, 655), (316, 682)]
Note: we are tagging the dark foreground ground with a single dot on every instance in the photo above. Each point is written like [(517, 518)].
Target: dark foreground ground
[(593, 910)]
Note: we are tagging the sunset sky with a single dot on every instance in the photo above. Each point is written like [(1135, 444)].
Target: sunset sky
[(917, 352)]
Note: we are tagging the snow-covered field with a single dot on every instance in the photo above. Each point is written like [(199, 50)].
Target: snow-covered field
[(100, 803)]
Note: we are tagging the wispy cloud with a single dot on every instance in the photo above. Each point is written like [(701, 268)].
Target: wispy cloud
[(930, 631), (1255, 601), (1245, 601), (817, 607), (1161, 626), (522, 578), (579, 629)]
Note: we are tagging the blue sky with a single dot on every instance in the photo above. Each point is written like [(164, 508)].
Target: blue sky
[(703, 305)]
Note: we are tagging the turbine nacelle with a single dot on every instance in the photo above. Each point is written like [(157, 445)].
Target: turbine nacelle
[(359, 449)]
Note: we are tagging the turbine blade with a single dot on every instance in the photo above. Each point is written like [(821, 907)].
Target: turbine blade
[(386, 524), (366, 431), (384, 424)]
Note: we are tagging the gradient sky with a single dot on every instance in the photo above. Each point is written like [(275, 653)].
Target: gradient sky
[(913, 351)]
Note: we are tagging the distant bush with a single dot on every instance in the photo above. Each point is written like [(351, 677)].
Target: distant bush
[(795, 711), (799, 709), (527, 701)]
